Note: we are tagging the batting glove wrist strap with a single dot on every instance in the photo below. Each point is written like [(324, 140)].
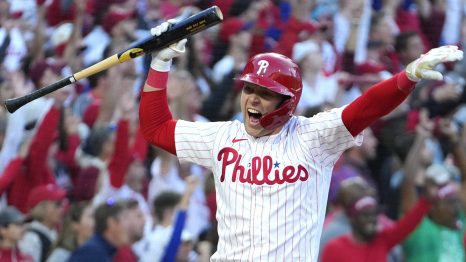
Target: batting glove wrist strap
[(423, 67)]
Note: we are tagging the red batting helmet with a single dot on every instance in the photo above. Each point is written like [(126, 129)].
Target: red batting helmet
[(279, 74)]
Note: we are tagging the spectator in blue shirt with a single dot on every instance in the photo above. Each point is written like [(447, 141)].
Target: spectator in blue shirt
[(109, 234)]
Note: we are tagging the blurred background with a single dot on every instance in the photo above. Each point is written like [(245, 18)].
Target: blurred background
[(63, 157)]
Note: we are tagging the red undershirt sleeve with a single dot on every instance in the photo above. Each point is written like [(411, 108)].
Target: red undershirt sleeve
[(156, 121), (377, 101)]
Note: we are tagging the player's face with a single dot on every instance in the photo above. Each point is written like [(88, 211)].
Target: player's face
[(257, 101)]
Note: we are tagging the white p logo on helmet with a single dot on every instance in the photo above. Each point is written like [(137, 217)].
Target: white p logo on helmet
[(263, 64)]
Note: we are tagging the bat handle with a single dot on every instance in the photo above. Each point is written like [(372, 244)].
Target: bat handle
[(14, 104)]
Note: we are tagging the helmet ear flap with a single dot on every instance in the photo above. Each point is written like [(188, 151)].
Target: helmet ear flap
[(279, 116)]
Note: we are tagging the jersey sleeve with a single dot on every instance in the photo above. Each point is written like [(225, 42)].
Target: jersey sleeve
[(195, 141), (327, 137)]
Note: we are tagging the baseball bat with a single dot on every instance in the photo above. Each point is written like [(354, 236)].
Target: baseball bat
[(177, 31)]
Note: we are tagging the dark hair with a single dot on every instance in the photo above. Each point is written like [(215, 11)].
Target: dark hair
[(130, 203), (402, 40), (238, 7), (109, 209), (94, 79), (376, 18), (67, 239), (166, 200), (95, 142)]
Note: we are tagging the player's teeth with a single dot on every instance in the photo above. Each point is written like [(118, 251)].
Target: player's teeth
[(253, 111)]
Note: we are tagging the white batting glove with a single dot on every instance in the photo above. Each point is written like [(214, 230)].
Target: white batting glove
[(162, 60), (423, 67)]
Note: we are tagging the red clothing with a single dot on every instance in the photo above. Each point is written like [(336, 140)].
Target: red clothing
[(293, 34), (158, 125), (9, 174), (267, 19), (123, 155), (91, 112), (35, 170), (345, 248), (121, 158), (125, 254), (367, 108), (139, 147), (433, 26), (67, 156), (408, 20), (224, 6), (14, 255)]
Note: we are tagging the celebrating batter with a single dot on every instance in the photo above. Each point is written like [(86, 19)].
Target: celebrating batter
[(272, 172)]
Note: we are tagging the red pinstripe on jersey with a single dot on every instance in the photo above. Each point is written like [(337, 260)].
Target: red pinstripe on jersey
[(271, 191)]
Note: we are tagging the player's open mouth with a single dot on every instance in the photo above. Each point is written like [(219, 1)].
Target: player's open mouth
[(254, 115)]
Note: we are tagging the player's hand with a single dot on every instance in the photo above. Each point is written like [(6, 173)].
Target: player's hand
[(167, 54), (423, 67)]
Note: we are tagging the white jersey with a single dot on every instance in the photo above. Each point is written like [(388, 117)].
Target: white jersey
[(271, 191)]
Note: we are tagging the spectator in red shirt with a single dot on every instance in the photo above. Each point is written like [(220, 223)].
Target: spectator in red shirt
[(366, 242)]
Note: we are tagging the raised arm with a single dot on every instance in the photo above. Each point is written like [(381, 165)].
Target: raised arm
[(156, 121), (457, 145), (403, 227), (175, 241), (385, 96), (413, 163)]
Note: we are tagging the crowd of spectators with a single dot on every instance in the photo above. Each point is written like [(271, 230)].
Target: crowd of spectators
[(79, 183)]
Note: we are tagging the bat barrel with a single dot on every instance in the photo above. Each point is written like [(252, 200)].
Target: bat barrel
[(182, 29)]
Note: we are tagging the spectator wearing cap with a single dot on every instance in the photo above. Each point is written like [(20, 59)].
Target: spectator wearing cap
[(439, 237), (337, 222), (46, 207), (11, 231), (366, 242), (109, 234)]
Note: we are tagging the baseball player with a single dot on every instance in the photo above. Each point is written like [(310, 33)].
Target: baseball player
[(272, 171)]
